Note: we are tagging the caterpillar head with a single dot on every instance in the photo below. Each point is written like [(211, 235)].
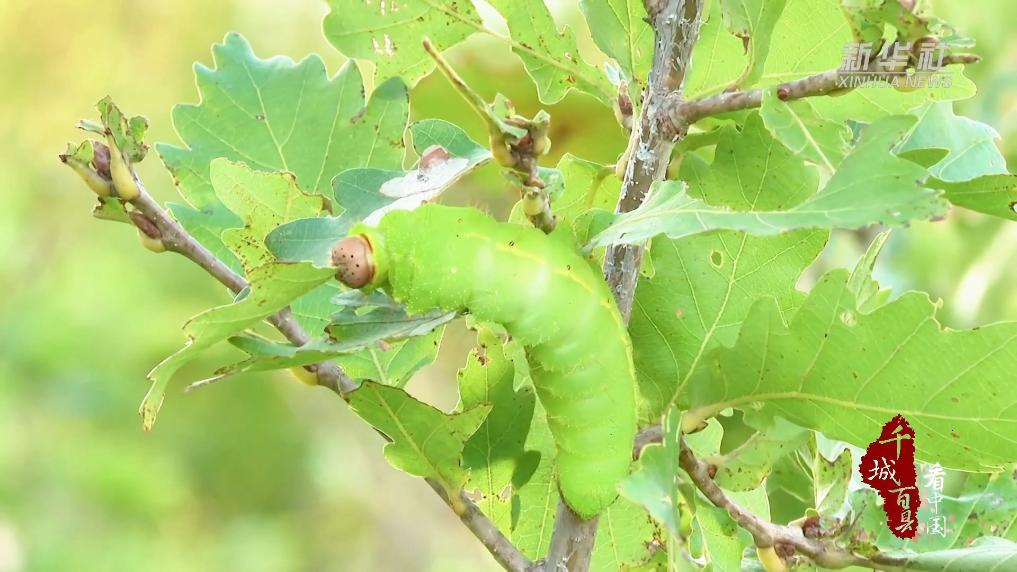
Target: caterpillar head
[(358, 260)]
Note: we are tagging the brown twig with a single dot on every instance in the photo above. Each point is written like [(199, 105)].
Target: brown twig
[(506, 553), (681, 114)]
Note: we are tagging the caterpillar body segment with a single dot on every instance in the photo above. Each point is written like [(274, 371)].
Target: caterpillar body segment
[(547, 297)]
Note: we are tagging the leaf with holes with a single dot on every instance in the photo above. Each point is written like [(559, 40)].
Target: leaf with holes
[(423, 441)]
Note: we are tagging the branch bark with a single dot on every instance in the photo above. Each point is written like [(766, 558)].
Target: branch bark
[(681, 114), (676, 27)]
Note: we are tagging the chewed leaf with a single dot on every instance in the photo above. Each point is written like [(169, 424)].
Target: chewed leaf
[(970, 145), (423, 440), (551, 56), (496, 453), (262, 201), (753, 21)]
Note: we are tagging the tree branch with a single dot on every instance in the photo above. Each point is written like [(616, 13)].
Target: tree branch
[(681, 114), (823, 551), (676, 27)]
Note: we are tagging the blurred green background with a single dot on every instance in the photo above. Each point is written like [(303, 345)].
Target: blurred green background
[(261, 473)]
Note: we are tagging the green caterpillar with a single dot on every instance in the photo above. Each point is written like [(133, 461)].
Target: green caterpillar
[(547, 297)]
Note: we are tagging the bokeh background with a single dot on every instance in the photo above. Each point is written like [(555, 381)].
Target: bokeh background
[(261, 473)]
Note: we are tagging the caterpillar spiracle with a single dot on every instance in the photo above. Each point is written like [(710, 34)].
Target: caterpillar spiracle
[(546, 296)]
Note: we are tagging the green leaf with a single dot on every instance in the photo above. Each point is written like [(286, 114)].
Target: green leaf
[(993, 507), (971, 145), (620, 30), (830, 481), (790, 489), (309, 239), (702, 288), (751, 171), (805, 132), (273, 286), (873, 101), (428, 132), (654, 481), (725, 541), (357, 191), (986, 553), (375, 316), (626, 538), (809, 38), (431, 178), (262, 202), (277, 115), (393, 363), (551, 56), (424, 441), (718, 57), (745, 467), (587, 186), (845, 373), (704, 285), (266, 355), (496, 452), (390, 33), (869, 18), (994, 195), (111, 209), (753, 21), (538, 494), (364, 192), (872, 186)]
